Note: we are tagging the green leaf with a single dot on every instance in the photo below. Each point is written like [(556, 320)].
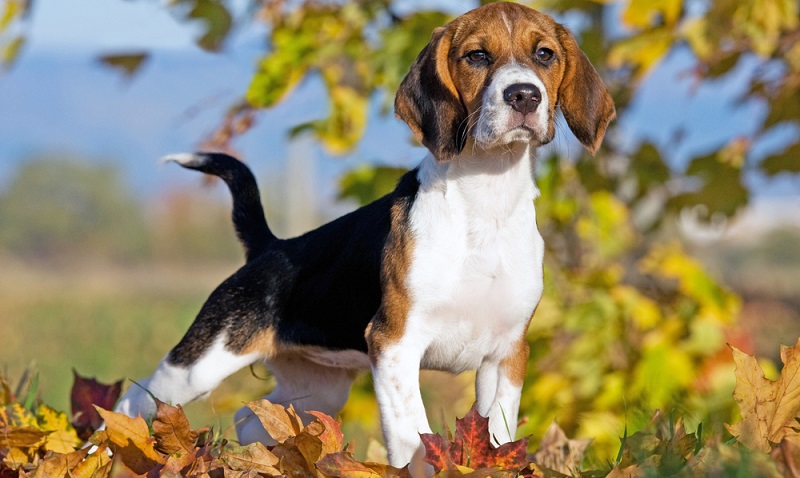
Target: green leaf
[(787, 161), (367, 183), (721, 187), (217, 20), (128, 64)]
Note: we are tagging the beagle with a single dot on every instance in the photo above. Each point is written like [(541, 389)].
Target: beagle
[(443, 273)]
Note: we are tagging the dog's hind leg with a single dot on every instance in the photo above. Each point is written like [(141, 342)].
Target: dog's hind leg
[(182, 377), (302, 383)]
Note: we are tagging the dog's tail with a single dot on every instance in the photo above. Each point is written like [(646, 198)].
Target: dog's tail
[(248, 214)]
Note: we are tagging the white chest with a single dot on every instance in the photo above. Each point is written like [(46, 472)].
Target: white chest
[(476, 272)]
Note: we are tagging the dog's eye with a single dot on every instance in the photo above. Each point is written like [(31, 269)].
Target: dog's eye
[(544, 55), (478, 57)]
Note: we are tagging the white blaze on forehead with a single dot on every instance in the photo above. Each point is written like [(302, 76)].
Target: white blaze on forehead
[(508, 23)]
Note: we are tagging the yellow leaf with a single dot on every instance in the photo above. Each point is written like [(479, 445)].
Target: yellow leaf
[(695, 32), (12, 10), (96, 465), (17, 416), (642, 51), (62, 437), (768, 407), (644, 13), (15, 458)]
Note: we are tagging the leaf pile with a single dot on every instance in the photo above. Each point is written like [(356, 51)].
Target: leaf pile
[(38, 441)]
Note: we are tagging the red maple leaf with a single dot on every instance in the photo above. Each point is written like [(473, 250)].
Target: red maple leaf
[(87, 392), (472, 447)]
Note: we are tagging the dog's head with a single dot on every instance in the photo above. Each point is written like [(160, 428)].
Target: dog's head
[(494, 76)]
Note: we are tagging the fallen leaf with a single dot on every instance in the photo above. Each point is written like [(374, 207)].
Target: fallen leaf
[(275, 419), (331, 436), (87, 392), (558, 453), (15, 458), (96, 465), (132, 441), (438, 451), (22, 437), (471, 447), (632, 471), (768, 407), (61, 437), (343, 465), (172, 431), (254, 456)]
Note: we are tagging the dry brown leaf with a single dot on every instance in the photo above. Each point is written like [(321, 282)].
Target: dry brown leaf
[(292, 462), (22, 437), (254, 456), (787, 456), (96, 465), (558, 453), (132, 441), (172, 431), (60, 464), (632, 471), (275, 419), (768, 407), (343, 465), (309, 446)]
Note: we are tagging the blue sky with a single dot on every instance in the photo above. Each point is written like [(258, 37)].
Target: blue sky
[(58, 100)]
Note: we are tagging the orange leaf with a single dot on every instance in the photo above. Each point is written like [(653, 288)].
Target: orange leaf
[(343, 465), (472, 448), (331, 436), (132, 441)]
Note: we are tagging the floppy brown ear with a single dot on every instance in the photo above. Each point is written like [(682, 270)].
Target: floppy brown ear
[(428, 101), (583, 97)]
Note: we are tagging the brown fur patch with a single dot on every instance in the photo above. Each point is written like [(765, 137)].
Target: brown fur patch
[(264, 343), (389, 323), (514, 365)]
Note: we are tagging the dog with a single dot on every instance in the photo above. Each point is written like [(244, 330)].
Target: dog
[(444, 272)]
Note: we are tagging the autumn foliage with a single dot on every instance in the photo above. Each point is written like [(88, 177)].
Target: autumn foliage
[(38, 441)]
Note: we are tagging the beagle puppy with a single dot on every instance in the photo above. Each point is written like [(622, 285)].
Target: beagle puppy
[(443, 273)]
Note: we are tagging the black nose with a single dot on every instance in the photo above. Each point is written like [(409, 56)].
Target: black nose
[(523, 97)]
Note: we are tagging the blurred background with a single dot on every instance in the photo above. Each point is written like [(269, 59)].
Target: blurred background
[(681, 235)]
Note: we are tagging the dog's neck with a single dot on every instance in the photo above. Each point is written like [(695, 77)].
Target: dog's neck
[(488, 183)]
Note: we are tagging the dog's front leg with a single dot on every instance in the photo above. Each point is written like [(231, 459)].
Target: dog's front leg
[(498, 386), (395, 370)]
